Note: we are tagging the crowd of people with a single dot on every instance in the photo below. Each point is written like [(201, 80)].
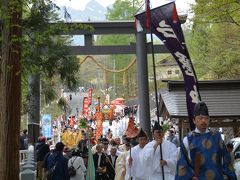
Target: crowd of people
[(201, 155)]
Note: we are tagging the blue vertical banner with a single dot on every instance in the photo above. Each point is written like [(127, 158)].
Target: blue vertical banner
[(47, 125), (166, 25)]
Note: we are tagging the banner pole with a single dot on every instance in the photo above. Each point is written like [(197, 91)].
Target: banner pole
[(148, 12)]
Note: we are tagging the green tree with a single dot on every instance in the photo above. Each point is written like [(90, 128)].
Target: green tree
[(39, 49), (44, 50), (123, 10), (46, 57), (10, 87), (214, 49)]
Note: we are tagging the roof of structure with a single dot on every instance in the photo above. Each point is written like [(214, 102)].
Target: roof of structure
[(221, 97), (167, 61)]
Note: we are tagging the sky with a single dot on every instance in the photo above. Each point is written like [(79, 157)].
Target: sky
[(182, 5)]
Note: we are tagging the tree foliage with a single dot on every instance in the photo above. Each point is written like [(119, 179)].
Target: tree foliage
[(45, 50), (123, 10), (217, 11), (214, 39)]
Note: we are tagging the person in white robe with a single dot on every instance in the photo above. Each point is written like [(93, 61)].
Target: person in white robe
[(133, 166), (151, 160)]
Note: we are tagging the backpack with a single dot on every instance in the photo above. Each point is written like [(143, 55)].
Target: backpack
[(49, 174), (72, 170), (25, 143)]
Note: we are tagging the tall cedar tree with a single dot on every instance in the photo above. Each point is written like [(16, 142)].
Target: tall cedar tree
[(10, 88)]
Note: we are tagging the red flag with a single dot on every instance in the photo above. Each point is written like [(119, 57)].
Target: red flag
[(138, 25), (85, 106), (174, 15), (147, 14), (90, 96)]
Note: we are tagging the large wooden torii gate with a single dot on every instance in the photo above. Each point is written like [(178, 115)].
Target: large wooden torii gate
[(141, 48)]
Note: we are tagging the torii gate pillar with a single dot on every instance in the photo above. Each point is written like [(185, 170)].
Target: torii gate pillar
[(142, 81)]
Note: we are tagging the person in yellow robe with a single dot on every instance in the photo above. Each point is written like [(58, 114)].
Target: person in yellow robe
[(64, 136)]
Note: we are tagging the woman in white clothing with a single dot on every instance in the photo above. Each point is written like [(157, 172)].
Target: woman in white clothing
[(77, 162)]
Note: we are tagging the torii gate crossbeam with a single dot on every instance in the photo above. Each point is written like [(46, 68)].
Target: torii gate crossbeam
[(108, 28)]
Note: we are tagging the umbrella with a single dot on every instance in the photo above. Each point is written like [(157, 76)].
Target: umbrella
[(132, 130), (118, 101)]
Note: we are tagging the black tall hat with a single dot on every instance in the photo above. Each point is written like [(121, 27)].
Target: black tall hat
[(105, 141), (142, 133), (127, 139), (201, 109), (157, 126)]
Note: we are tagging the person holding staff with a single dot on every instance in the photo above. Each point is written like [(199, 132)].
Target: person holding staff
[(133, 161), (150, 157)]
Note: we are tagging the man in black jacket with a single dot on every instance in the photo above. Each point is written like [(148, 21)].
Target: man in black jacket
[(59, 162), (100, 163), (111, 162), (42, 149), (23, 140)]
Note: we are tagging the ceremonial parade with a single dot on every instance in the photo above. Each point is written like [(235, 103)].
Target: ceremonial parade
[(201, 154), (119, 90)]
